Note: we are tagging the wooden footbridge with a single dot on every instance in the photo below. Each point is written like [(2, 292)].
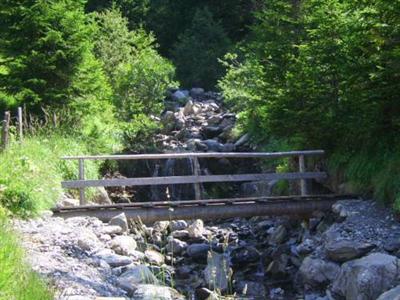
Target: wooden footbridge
[(297, 205)]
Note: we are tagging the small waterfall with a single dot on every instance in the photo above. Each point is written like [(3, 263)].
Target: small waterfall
[(177, 167)]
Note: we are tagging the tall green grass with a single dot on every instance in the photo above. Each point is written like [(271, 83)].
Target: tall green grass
[(374, 171), (17, 281), (31, 172)]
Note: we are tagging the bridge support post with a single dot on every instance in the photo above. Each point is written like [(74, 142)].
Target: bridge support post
[(302, 169), (82, 200), (196, 172)]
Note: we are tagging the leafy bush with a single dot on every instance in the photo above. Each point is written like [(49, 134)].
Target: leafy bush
[(31, 172), (17, 281), (139, 134)]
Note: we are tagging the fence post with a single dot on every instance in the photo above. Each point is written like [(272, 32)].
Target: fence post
[(302, 169), (20, 124), (82, 200), (5, 130), (196, 172)]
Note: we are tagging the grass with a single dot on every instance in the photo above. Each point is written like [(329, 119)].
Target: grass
[(31, 172), (17, 281), (373, 172)]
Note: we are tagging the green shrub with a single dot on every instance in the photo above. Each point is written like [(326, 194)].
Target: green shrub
[(17, 281), (31, 172)]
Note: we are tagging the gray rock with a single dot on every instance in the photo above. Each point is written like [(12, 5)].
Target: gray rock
[(179, 95), (278, 235), (161, 226), (306, 247), (393, 294), (180, 234), (277, 268), (136, 275), (216, 273), (196, 92), (101, 196), (115, 260), (178, 225), (87, 240), (392, 245), (122, 244), (213, 145), (196, 229), (344, 250), (154, 257), (188, 109), (67, 202), (243, 140), (121, 221), (198, 250), (316, 272), (251, 289), (368, 277), (155, 292), (244, 255), (175, 246)]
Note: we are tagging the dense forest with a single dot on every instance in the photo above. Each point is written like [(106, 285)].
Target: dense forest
[(300, 74)]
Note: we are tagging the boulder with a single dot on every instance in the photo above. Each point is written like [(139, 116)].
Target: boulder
[(178, 225), (242, 140), (212, 131), (188, 109), (175, 246), (196, 229), (121, 221), (67, 202), (161, 226), (196, 92), (277, 268), (101, 196), (179, 95), (368, 277), (278, 235), (213, 145), (180, 234), (216, 273), (344, 250), (251, 289), (136, 275), (198, 250), (154, 257), (87, 240), (244, 255), (318, 273), (123, 244), (115, 260), (155, 292), (393, 294)]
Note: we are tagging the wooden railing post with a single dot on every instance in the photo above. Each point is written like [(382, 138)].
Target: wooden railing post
[(302, 169), (82, 200), (196, 172), (5, 130), (20, 124)]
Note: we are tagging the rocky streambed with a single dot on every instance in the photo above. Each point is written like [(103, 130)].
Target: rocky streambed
[(351, 253)]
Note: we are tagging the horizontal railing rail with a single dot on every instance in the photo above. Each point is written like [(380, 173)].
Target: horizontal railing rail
[(196, 178)]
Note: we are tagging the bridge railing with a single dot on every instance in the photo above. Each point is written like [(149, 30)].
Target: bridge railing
[(196, 178)]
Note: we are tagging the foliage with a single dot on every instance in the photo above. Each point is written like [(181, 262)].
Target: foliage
[(31, 172), (138, 74), (198, 49), (139, 134), (43, 43), (324, 74), (17, 281), (47, 50), (135, 11)]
